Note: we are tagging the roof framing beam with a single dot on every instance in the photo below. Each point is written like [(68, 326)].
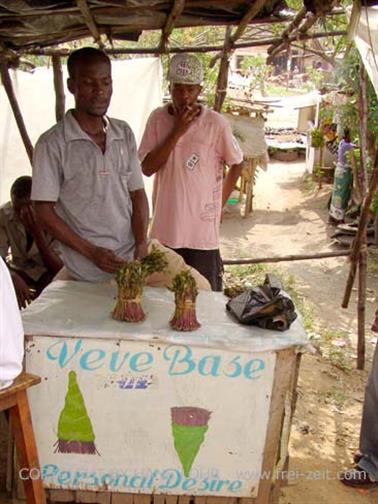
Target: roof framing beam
[(178, 7), (297, 28), (198, 49), (247, 18), (90, 21)]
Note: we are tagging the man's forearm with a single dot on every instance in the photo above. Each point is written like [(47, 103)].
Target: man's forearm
[(50, 259), (230, 181), (157, 158), (139, 219), (57, 228)]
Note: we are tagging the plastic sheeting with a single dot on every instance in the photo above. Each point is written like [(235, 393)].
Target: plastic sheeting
[(366, 39), (131, 101), (79, 309)]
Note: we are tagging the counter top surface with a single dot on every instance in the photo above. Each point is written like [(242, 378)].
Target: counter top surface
[(83, 310)]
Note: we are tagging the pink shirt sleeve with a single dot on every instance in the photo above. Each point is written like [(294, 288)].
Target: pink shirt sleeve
[(228, 147), (150, 138)]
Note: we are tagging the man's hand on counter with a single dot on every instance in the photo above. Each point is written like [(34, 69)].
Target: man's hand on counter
[(106, 259)]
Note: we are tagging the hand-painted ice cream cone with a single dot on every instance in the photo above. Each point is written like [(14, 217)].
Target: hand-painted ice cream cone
[(189, 426), (75, 432)]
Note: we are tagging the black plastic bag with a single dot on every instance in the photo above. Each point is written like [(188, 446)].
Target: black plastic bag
[(266, 306)]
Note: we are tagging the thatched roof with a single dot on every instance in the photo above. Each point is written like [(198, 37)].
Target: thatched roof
[(26, 24)]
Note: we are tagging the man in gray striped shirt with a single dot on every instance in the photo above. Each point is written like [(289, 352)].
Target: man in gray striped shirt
[(87, 181)]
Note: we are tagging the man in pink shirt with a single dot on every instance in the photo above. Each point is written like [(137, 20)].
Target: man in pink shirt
[(186, 146)]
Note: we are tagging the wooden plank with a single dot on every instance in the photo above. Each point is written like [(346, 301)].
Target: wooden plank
[(283, 375), (22, 428), (171, 499), (22, 382), (158, 499), (200, 500), (90, 497), (184, 499), (122, 498), (143, 499), (60, 495), (221, 500), (245, 500)]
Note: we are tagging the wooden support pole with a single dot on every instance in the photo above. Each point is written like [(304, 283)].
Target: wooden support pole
[(7, 83), (363, 132), (175, 13), (362, 270), (355, 251), (59, 87), (222, 81), (300, 257)]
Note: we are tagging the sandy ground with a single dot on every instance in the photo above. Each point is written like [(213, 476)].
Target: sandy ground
[(287, 219)]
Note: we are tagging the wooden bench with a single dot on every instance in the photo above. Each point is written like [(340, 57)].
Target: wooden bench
[(15, 400)]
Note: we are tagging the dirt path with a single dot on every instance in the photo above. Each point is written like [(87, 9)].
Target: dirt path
[(289, 220)]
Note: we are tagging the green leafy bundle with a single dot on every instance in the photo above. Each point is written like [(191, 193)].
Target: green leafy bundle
[(185, 288), (131, 278)]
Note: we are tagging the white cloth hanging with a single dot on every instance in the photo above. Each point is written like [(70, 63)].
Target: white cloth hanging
[(11, 331)]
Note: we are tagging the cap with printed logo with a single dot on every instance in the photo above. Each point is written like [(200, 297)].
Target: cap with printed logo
[(185, 69)]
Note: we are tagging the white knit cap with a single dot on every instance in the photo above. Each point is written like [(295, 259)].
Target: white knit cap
[(185, 69)]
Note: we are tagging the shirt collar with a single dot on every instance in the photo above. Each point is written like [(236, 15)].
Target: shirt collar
[(72, 130)]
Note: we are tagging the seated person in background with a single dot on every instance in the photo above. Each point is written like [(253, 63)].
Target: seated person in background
[(34, 262), (11, 331)]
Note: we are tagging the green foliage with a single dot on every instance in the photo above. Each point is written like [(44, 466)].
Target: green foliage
[(374, 203), (348, 79), (317, 138), (258, 70)]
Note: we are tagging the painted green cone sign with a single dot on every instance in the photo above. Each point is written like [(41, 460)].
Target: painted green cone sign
[(189, 426), (75, 431)]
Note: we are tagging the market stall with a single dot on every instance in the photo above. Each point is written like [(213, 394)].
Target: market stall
[(128, 409)]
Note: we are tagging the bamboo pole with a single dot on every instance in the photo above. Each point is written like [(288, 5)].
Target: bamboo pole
[(354, 254), (299, 257), (362, 270), (7, 83), (59, 87)]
